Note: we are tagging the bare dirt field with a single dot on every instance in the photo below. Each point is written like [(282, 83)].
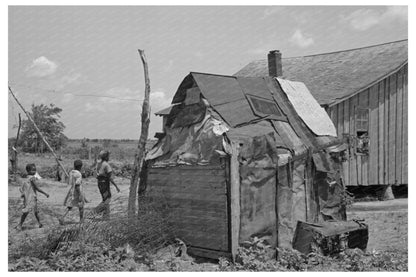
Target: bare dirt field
[(387, 220)]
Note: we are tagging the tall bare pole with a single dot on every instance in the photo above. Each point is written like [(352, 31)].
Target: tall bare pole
[(138, 160), (14, 157), (39, 132)]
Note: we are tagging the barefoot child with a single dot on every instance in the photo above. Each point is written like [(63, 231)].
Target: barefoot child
[(104, 178), (75, 196), (28, 191)]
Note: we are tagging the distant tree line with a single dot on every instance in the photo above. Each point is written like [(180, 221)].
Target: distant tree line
[(47, 118)]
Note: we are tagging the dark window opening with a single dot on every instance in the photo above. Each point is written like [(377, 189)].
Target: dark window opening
[(361, 127), (265, 107)]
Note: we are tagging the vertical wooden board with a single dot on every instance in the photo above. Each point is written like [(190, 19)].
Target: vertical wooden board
[(346, 104), (373, 135), (345, 165), (364, 170), (405, 129), (399, 121), (340, 120), (235, 199), (334, 116), (353, 157), (386, 129), (392, 129), (359, 170), (363, 98), (362, 163), (381, 143)]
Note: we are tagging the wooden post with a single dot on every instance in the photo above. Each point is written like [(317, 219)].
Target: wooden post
[(14, 157), (39, 132), (235, 199), (138, 160)]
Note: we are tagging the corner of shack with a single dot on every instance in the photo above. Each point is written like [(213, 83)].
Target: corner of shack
[(244, 157)]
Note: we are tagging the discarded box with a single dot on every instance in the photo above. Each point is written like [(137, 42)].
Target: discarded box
[(330, 237)]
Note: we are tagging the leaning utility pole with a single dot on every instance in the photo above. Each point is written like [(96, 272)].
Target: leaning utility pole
[(138, 160), (39, 132)]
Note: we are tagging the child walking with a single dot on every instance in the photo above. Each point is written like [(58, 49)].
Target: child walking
[(28, 191), (75, 196)]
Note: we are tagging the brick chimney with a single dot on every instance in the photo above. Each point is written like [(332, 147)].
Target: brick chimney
[(274, 59)]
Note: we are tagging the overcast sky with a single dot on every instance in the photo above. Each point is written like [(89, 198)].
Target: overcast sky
[(57, 54)]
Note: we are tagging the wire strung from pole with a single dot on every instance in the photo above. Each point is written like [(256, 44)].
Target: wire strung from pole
[(61, 92), (13, 112)]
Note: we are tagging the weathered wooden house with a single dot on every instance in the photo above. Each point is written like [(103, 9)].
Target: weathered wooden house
[(242, 157), (364, 91)]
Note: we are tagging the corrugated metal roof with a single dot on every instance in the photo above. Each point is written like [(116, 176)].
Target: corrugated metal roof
[(332, 77)]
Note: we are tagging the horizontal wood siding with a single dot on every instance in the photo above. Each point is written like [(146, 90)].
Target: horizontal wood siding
[(196, 198)]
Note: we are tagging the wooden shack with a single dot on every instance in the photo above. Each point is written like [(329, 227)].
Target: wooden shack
[(364, 91), (243, 157)]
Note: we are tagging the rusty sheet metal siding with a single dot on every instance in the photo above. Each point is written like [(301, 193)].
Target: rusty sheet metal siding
[(197, 200), (399, 126), (404, 161), (257, 202)]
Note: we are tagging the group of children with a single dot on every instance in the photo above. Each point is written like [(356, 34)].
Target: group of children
[(75, 197)]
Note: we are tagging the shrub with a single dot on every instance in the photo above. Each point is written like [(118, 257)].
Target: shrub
[(256, 256)]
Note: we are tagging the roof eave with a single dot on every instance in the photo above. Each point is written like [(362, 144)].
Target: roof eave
[(339, 100)]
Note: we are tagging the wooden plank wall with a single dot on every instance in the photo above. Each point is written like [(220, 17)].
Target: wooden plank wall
[(373, 132), (381, 127), (391, 143), (387, 161), (196, 197), (405, 130)]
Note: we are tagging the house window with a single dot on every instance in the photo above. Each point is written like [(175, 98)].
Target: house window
[(265, 107), (361, 127)]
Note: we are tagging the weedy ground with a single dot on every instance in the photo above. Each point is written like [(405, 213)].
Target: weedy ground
[(148, 243)]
